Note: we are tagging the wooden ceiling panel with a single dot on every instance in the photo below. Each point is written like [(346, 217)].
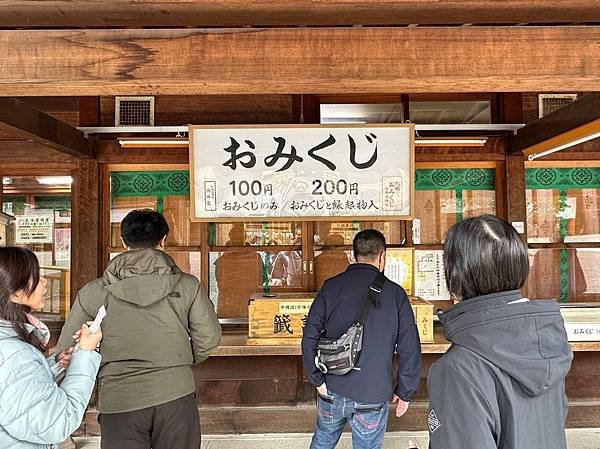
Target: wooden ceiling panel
[(182, 13), (299, 60)]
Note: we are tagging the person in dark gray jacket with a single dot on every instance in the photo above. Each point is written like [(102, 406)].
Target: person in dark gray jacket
[(501, 384)]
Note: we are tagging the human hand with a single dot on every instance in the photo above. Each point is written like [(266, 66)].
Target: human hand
[(322, 389), (401, 407), (64, 358), (89, 342)]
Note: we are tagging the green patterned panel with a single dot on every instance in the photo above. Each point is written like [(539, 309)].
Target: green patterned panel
[(564, 275), (562, 178), (459, 206), (18, 204), (150, 183), (52, 202), (455, 179)]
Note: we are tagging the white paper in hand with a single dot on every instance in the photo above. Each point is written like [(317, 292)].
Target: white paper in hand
[(98, 320), (57, 369)]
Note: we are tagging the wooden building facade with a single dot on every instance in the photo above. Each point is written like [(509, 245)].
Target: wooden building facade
[(445, 64)]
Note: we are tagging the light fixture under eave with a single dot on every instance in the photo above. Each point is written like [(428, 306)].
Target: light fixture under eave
[(54, 180), (564, 146), (448, 142), (154, 142)]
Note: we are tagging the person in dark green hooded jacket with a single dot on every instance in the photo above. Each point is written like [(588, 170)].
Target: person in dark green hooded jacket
[(159, 323)]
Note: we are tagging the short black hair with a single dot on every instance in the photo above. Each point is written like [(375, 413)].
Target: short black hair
[(143, 228), (368, 244), (484, 255)]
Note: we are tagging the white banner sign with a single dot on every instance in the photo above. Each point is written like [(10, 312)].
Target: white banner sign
[(302, 171), (34, 228)]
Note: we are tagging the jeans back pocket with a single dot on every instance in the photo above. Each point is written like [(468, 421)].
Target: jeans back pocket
[(368, 418), (325, 408)]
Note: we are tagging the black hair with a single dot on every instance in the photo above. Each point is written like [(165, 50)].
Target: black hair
[(368, 244), (484, 255), (19, 271), (143, 228)]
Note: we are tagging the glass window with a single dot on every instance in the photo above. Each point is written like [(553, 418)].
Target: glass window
[(563, 205), (41, 207), (237, 274), (164, 191), (255, 234), (342, 233), (450, 112), (238, 270), (446, 196), (362, 113), (568, 275)]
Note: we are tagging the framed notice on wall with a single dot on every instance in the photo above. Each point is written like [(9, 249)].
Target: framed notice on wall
[(430, 280), (34, 228), (304, 171), (399, 267)]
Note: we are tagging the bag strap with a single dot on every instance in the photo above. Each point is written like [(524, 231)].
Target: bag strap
[(372, 299)]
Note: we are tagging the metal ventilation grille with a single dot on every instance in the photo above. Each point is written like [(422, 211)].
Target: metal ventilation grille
[(549, 103), (134, 111)]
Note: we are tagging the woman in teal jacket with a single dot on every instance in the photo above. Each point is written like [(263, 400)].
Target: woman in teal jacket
[(34, 411)]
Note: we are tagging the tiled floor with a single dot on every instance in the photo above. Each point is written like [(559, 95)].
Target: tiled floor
[(577, 439)]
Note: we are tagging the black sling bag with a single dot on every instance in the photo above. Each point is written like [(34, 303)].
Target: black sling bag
[(339, 356)]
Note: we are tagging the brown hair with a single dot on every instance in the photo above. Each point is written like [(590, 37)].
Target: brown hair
[(19, 271)]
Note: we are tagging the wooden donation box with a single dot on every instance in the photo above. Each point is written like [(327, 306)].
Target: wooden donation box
[(582, 321), (279, 319)]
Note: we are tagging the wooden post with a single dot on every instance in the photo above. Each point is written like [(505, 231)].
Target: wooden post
[(515, 192), (85, 226)]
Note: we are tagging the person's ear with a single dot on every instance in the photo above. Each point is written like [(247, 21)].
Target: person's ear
[(162, 242), (124, 245), (382, 261), (18, 297)]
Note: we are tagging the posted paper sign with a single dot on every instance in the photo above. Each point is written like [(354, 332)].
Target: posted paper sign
[(430, 281), (302, 171), (399, 267), (34, 228)]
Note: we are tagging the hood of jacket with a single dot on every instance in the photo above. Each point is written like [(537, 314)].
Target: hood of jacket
[(142, 276), (526, 340)]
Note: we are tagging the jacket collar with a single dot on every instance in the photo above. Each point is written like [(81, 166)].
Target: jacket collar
[(359, 266)]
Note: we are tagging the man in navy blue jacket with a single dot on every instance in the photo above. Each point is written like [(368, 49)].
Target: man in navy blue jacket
[(361, 396)]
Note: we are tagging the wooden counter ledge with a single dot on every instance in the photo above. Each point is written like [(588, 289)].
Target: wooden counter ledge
[(234, 344)]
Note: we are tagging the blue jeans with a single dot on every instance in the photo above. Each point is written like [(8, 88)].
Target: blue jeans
[(367, 421)]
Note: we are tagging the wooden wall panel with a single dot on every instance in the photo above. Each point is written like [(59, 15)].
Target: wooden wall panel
[(211, 109), (298, 60), (30, 155), (530, 107)]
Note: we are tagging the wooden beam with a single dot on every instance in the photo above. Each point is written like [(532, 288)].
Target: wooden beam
[(299, 60), (182, 13), (576, 121), (29, 123)]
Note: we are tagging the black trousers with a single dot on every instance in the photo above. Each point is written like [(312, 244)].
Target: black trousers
[(173, 425)]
